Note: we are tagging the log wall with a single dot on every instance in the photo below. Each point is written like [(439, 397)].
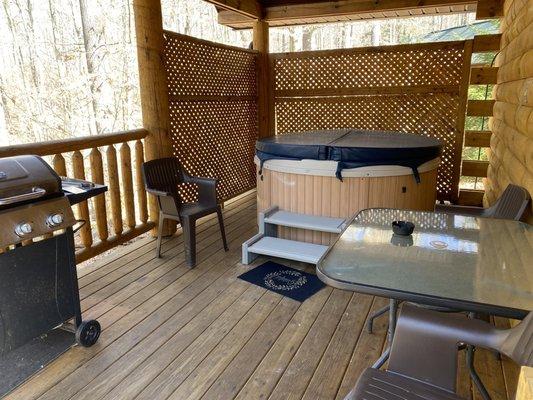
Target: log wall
[(511, 155)]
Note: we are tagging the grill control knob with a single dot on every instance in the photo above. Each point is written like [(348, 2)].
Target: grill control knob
[(55, 220), (23, 229)]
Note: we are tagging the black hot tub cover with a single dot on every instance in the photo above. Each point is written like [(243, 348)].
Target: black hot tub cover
[(351, 148)]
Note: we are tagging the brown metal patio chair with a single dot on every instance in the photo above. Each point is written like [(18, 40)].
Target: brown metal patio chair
[(423, 358), (162, 178), (511, 205)]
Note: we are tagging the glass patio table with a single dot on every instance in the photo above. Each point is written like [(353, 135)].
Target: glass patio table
[(454, 261)]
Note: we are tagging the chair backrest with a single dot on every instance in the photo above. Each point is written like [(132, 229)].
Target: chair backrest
[(511, 204), (163, 174)]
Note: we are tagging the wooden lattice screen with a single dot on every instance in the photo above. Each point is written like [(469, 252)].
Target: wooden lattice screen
[(418, 88), (213, 110)]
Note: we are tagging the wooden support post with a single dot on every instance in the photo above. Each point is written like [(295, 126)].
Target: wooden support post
[(260, 43), (461, 118), (153, 87)]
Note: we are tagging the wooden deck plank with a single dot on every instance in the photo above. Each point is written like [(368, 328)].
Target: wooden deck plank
[(300, 370), (464, 384), (142, 264), (208, 242), (231, 379), (367, 350), (171, 315), (267, 374), (199, 380), (328, 376), (153, 378), (170, 331), (158, 277), (490, 371), (148, 246), (161, 342), (120, 320), (511, 371), (128, 252)]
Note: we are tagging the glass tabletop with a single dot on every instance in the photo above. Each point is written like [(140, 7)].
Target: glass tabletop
[(478, 264)]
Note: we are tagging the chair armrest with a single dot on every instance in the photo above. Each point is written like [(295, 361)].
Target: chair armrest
[(460, 210), (425, 343), (207, 192), (156, 192)]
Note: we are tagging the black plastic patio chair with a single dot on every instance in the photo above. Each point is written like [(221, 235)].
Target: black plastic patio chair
[(162, 178), (511, 205), (423, 358)]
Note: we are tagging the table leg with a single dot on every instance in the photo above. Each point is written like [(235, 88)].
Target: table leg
[(393, 311)]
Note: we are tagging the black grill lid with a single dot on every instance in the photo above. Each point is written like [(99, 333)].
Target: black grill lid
[(26, 179)]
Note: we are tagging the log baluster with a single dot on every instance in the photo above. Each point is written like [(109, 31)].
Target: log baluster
[(59, 165), (141, 192), (97, 176), (127, 184), (114, 189), (83, 208)]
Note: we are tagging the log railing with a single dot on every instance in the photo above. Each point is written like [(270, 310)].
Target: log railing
[(105, 159)]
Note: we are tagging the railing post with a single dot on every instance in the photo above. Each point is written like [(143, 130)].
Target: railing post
[(153, 87), (261, 44)]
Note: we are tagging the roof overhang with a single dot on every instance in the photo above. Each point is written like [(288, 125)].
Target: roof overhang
[(241, 15)]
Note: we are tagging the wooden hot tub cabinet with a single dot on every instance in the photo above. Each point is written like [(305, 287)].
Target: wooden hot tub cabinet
[(310, 187)]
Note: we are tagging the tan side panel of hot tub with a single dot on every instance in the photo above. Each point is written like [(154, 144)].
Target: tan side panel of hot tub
[(327, 196)]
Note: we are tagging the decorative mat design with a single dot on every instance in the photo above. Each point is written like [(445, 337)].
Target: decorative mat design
[(289, 282)]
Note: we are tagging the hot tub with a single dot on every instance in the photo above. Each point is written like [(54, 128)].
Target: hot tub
[(340, 172)]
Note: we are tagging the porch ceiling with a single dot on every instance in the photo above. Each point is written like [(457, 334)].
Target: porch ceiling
[(241, 14)]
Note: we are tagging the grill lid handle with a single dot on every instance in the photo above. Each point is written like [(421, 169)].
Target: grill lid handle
[(35, 193)]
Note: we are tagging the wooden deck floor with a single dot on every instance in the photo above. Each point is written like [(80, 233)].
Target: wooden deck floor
[(176, 333)]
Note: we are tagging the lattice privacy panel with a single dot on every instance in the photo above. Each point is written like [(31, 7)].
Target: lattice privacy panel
[(409, 88), (213, 111)]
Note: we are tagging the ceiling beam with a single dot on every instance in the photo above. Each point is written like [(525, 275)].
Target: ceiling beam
[(297, 13), (248, 8), (350, 7)]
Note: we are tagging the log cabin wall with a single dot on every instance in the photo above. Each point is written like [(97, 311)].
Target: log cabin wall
[(511, 155), (417, 88), (213, 106)]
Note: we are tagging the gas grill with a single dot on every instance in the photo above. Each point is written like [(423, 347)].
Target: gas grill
[(38, 280)]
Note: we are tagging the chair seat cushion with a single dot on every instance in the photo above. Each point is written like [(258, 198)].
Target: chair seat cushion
[(196, 209), (375, 384)]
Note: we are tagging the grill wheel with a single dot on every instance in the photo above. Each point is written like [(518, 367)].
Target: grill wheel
[(88, 333)]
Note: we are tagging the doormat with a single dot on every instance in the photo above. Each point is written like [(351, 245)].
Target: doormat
[(289, 282)]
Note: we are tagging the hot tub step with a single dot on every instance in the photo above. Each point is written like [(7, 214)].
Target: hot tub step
[(304, 221), (283, 248)]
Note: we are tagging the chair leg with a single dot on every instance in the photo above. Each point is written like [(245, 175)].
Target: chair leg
[(378, 313), (222, 230), (159, 235), (189, 238)]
